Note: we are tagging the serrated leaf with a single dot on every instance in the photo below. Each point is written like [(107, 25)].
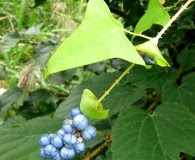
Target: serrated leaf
[(187, 59), (150, 78), (156, 14), (21, 142), (96, 39), (162, 135), (90, 106), (121, 96), (152, 49), (10, 40), (14, 95), (42, 52), (183, 94)]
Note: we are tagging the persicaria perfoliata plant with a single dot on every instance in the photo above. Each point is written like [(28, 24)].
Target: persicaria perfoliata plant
[(69, 140)]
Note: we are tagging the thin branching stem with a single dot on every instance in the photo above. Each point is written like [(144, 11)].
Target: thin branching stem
[(159, 35), (137, 34), (116, 82)]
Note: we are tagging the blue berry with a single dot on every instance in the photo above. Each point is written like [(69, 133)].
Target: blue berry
[(66, 153), (50, 150), (68, 126), (89, 133), (61, 132), (80, 122), (57, 141), (74, 112), (57, 157), (150, 60), (70, 139), (44, 140), (42, 153), (79, 147)]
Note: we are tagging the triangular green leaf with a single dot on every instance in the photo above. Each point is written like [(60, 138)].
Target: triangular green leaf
[(152, 49), (156, 14), (90, 106), (21, 141), (161, 136), (98, 38)]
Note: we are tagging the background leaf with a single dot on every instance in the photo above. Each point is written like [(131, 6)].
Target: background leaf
[(150, 78), (10, 40), (93, 41), (21, 142), (14, 95), (161, 135), (187, 59), (156, 14)]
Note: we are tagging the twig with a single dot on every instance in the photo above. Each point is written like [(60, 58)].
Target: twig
[(116, 82), (159, 35), (173, 6), (138, 34), (88, 155), (155, 102)]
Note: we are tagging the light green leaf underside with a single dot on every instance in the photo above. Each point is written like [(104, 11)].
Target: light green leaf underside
[(152, 49), (161, 135), (99, 37), (156, 14), (90, 106), (21, 141)]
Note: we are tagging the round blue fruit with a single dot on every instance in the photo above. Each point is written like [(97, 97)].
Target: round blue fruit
[(57, 141), (57, 157), (50, 150), (74, 112), (89, 133), (42, 153), (70, 139), (44, 139), (66, 153), (68, 127), (80, 122), (150, 60), (79, 147)]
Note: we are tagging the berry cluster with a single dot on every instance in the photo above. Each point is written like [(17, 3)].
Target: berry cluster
[(69, 140)]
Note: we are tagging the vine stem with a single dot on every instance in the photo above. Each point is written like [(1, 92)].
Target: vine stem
[(159, 35), (116, 82), (138, 34)]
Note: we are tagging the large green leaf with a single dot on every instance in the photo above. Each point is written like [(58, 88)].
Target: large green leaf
[(156, 14), (121, 96), (98, 38), (21, 141), (162, 135)]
